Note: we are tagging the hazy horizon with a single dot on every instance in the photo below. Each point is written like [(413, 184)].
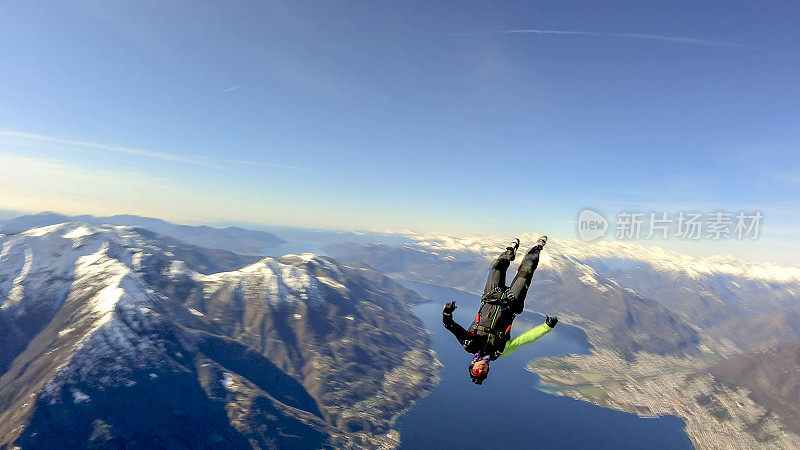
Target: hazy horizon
[(694, 249)]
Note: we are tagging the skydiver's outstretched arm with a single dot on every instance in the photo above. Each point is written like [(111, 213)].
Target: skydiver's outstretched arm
[(452, 326)]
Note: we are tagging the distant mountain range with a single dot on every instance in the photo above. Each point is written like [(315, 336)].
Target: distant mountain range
[(115, 336), (235, 239)]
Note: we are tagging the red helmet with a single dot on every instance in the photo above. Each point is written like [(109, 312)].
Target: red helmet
[(474, 375)]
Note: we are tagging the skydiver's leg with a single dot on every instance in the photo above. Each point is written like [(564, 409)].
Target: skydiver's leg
[(522, 281), (497, 274)]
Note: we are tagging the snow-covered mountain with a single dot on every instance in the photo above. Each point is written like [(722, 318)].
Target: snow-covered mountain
[(39, 267), (118, 335)]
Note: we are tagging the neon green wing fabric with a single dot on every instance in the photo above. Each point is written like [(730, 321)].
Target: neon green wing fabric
[(525, 338)]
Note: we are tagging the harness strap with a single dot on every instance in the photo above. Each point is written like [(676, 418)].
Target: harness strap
[(498, 297), (488, 330)]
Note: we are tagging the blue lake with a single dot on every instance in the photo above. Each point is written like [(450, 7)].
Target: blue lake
[(507, 411)]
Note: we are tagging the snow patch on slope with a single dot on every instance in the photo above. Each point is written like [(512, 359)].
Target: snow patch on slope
[(104, 301), (332, 283), (271, 279), (41, 231), (227, 380), (79, 232), (17, 291)]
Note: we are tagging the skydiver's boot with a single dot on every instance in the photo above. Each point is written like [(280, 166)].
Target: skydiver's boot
[(540, 243), (522, 280), (514, 245)]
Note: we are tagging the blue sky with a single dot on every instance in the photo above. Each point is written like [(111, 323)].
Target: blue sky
[(468, 117)]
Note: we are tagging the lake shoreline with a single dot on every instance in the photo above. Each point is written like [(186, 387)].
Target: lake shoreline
[(443, 417)]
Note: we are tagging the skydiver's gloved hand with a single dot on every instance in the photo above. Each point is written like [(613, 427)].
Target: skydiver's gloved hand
[(449, 308), (551, 321)]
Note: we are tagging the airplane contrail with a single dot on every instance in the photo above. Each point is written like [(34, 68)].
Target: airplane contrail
[(199, 160), (654, 37)]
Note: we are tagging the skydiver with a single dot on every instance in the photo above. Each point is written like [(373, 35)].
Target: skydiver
[(488, 336)]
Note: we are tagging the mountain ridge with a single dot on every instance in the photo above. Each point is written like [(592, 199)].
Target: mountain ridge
[(280, 350), (236, 239)]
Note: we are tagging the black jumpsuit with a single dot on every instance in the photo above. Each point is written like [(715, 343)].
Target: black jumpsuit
[(511, 302)]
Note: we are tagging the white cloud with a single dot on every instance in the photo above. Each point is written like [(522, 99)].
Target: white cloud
[(231, 89)]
